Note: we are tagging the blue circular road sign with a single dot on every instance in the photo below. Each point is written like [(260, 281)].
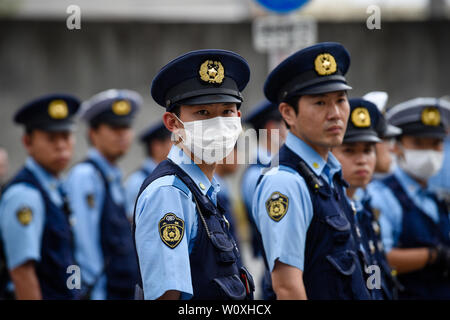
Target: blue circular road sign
[(282, 6)]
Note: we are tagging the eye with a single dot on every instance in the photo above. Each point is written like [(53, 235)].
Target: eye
[(228, 111), (320, 103), (202, 112)]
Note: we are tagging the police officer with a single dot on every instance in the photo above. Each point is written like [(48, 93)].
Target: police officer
[(415, 225), (300, 207), (357, 155), (34, 217), (183, 243), (157, 143), (264, 116), (103, 241), (384, 149)]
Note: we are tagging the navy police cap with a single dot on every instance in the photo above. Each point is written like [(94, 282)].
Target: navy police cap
[(116, 107), (313, 70), (201, 77), (155, 131), (52, 112), (262, 113), (365, 123), (424, 117)]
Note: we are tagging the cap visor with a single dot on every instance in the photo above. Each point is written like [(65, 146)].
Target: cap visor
[(365, 137), (57, 127), (209, 99), (392, 131), (326, 87)]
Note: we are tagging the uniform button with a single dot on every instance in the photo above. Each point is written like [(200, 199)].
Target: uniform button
[(376, 227), (316, 165), (202, 186), (358, 232), (372, 247)]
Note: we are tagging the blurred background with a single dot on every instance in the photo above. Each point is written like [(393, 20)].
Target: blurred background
[(398, 46)]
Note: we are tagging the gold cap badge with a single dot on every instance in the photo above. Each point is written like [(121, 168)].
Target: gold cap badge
[(277, 206), (212, 71), (25, 215), (57, 109), (325, 64), (361, 117), (121, 107), (431, 116)]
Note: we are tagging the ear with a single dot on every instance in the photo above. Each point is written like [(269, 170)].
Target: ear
[(27, 141), (288, 113), (171, 122)]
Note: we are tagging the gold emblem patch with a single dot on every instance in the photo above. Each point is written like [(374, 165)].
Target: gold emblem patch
[(361, 117), (431, 116), (325, 64), (121, 107), (25, 215), (212, 71), (277, 206), (57, 109), (171, 230)]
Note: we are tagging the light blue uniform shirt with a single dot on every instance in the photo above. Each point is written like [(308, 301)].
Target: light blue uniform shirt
[(440, 182), (86, 191), (251, 176), (391, 213), (23, 242), (133, 185), (163, 268), (285, 240)]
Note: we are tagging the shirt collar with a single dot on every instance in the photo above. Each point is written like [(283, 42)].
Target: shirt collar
[(149, 164), (311, 157), (411, 186), (112, 172), (178, 156), (48, 181), (264, 156)]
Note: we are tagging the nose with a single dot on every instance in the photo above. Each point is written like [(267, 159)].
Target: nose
[(334, 111)]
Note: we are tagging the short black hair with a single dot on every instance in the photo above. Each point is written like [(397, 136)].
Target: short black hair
[(293, 102), (176, 109)]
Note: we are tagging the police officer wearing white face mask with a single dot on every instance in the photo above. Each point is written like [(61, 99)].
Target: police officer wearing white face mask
[(183, 243), (414, 223)]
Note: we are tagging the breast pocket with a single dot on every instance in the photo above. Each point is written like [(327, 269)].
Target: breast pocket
[(343, 266), (340, 228)]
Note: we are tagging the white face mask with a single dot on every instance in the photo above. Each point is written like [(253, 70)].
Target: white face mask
[(421, 164), (211, 140)]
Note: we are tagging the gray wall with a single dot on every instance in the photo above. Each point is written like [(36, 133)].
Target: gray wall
[(405, 59)]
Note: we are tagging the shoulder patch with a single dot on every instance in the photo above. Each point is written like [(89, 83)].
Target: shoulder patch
[(277, 206), (171, 230), (24, 215)]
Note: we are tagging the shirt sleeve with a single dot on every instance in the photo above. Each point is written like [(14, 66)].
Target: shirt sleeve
[(283, 212), (22, 218), (164, 264), (85, 191), (390, 219)]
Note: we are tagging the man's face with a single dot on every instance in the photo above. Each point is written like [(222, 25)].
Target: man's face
[(321, 120), (358, 162), (418, 143), (52, 150), (384, 151), (208, 111), (112, 141)]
